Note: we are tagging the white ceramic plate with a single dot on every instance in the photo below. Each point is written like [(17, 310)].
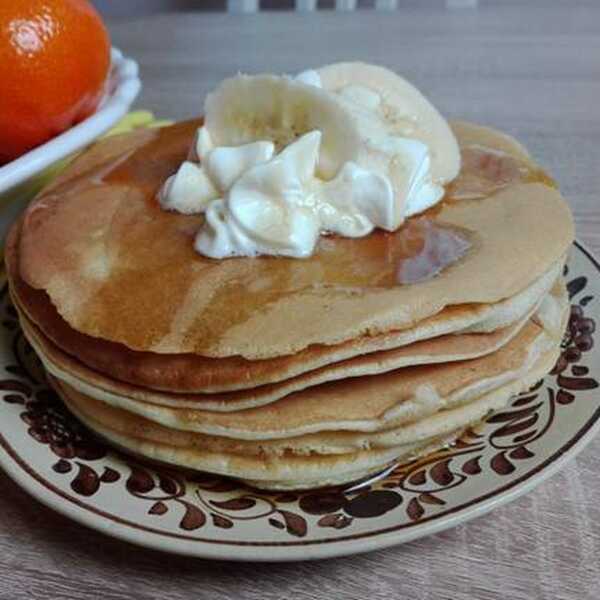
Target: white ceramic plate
[(61, 464), (124, 86)]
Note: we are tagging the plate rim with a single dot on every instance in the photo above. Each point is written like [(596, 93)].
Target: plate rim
[(114, 106), (284, 551)]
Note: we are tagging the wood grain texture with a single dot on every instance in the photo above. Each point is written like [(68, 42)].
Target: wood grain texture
[(532, 70)]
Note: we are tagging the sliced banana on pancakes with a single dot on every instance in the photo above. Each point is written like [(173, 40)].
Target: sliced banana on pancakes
[(367, 116), (247, 108), (403, 108)]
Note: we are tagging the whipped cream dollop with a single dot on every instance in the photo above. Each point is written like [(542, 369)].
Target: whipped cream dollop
[(284, 179)]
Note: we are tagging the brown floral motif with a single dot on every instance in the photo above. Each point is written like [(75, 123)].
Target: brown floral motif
[(50, 423), (47, 419), (417, 485), (197, 500), (164, 489), (248, 506)]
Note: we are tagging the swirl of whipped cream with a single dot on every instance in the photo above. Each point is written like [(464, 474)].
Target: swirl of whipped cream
[(297, 163)]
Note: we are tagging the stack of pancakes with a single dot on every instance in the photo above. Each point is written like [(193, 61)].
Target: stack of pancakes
[(282, 372)]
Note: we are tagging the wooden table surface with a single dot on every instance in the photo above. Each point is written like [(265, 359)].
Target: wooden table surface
[(532, 70)]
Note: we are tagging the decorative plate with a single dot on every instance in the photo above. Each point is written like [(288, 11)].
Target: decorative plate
[(123, 87), (60, 463)]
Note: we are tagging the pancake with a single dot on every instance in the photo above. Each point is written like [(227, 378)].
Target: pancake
[(444, 422), (369, 403), (118, 268), (445, 348), (450, 415), (293, 471), (187, 373)]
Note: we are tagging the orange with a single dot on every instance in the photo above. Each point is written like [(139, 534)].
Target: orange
[(54, 62)]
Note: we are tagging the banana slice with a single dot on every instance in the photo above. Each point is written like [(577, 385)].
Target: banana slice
[(342, 150), (406, 112), (246, 109)]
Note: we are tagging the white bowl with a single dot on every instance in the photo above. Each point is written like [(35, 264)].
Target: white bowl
[(123, 89)]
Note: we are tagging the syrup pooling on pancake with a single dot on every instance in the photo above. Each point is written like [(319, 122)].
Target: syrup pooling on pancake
[(486, 171), (438, 247), (490, 162), (417, 252)]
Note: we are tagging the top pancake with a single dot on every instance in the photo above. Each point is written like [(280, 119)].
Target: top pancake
[(119, 268), (191, 373)]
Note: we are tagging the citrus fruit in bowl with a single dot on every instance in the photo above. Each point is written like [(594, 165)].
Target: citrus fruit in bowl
[(55, 59)]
